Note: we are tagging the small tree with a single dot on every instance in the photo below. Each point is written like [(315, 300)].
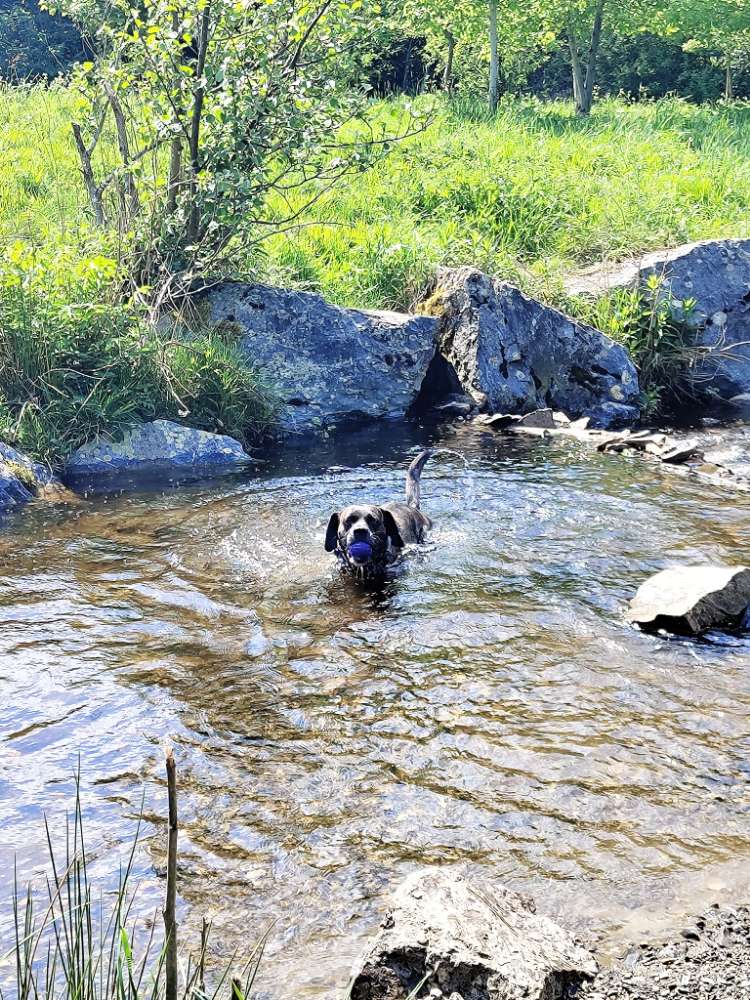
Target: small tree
[(583, 23), (718, 27), (499, 35), (584, 35), (231, 117)]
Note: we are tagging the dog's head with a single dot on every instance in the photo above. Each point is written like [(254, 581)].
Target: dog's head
[(363, 536)]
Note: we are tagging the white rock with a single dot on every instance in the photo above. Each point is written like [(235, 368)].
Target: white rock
[(691, 599), (468, 942)]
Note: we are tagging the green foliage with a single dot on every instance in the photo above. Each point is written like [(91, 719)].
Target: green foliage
[(642, 67), (721, 26), (659, 336), (459, 30), (215, 105), (75, 363)]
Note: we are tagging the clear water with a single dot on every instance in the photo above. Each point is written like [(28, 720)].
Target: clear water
[(490, 708)]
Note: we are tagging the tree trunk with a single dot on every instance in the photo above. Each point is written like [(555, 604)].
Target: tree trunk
[(494, 88), (593, 53), (575, 62), (95, 195), (175, 174), (132, 206), (729, 80), (448, 71), (195, 124), (175, 154)]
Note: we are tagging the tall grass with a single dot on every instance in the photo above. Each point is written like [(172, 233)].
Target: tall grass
[(76, 363), (72, 943), (528, 195), (660, 337)]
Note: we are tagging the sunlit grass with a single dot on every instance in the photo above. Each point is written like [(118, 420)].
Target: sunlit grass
[(527, 195)]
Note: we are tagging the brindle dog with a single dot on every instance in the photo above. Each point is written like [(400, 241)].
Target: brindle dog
[(385, 529)]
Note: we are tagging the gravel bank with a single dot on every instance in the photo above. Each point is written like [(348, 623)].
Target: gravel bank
[(710, 960)]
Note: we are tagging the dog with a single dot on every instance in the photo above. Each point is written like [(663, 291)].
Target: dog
[(367, 539)]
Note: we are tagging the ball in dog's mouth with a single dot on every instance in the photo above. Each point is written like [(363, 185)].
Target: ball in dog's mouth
[(360, 552)]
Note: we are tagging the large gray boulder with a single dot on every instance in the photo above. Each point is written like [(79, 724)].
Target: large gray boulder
[(461, 941), (714, 273), (156, 447), (514, 355), (20, 478), (330, 366), (689, 600)]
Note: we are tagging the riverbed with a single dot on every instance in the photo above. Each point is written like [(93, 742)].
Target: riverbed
[(489, 708)]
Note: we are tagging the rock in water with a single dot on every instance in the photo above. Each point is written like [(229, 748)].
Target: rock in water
[(20, 478), (466, 943), (541, 419), (513, 354), (688, 600), (158, 446), (329, 365), (715, 275)]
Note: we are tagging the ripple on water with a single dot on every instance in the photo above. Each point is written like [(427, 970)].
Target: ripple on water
[(489, 708)]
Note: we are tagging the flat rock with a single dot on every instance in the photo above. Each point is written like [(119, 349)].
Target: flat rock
[(157, 446), (692, 599), (464, 942), (544, 419), (512, 354), (681, 452), (330, 366), (715, 274)]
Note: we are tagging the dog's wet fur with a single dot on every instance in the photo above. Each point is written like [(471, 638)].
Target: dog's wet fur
[(387, 529)]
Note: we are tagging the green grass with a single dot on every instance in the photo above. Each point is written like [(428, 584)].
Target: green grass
[(75, 940), (76, 363), (528, 195)]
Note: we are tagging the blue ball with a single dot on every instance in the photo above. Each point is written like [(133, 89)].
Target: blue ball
[(360, 551)]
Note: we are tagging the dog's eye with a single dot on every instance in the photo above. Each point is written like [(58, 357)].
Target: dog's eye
[(371, 521), (348, 522)]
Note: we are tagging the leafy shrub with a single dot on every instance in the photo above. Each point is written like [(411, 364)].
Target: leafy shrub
[(76, 363), (659, 336)]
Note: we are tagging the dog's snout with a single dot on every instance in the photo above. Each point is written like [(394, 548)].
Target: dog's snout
[(361, 534)]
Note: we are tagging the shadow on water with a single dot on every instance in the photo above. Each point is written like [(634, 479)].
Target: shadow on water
[(488, 707)]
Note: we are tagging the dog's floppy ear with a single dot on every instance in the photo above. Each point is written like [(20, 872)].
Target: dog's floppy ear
[(391, 529), (332, 533)]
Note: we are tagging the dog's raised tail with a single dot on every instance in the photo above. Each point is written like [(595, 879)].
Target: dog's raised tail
[(413, 474)]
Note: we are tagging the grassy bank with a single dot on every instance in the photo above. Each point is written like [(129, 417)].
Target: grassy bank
[(528, 195), (75, 362), (535, 191)]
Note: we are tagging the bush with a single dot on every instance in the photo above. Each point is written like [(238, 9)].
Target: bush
[(659, 337), (76, 363)]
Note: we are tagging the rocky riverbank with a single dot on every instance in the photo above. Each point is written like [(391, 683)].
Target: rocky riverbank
[(709, 960), (445, 936)]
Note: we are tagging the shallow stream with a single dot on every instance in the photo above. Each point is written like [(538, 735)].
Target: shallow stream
[(489, 708)]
